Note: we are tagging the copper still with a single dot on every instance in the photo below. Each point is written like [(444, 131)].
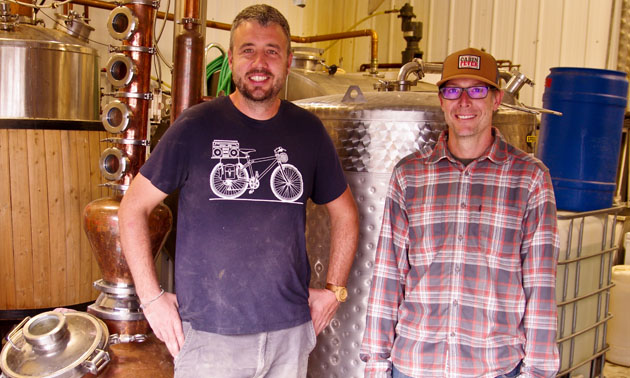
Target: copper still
[(133, 348)]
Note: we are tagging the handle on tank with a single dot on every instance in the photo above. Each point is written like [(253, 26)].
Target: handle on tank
[(97, 361), (15, 331), (348, 97), (125, 338)]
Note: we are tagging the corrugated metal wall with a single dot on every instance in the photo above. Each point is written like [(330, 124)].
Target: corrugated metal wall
[(537, 34)]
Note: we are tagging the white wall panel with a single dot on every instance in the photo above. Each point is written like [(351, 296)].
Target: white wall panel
[(503, 27), (481, 30), (549, 43), (575, 25), (526, 43), (536, 34), (459, 24), (438, 44), (597, 38)]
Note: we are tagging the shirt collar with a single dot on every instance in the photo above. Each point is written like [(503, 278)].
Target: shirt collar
[(496, 153)]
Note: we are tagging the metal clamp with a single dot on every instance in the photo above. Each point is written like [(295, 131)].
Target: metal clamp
[(151, 3), (7, 25), (141, 49), (142, 96), (118, 187), (133, 142), (189, 20), (15, 331), (125, 339)]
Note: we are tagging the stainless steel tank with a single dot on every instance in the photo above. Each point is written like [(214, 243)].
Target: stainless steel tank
[(304, 83), (372, 131), (47, 74), (309, 77), (49, 129)]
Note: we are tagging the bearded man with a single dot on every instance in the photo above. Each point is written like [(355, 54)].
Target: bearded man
[(245, 164)]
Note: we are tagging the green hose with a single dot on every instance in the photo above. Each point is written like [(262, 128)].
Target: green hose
[(225, 75)]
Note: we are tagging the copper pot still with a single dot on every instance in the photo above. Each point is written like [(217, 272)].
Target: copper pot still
[(118, 305)]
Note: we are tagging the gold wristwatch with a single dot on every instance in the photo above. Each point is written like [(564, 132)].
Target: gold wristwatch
[(341, 293)]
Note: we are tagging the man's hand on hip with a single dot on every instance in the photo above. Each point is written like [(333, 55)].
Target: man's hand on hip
[(164, 319), (323, 304)]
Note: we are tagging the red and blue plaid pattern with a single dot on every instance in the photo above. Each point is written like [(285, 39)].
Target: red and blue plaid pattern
[(464, 279)]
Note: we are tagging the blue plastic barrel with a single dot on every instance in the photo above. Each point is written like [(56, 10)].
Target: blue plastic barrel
[(581, 148)]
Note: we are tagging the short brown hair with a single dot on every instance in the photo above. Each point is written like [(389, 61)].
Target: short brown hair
[(263, 14)]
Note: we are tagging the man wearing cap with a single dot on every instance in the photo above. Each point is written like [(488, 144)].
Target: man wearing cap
[(464, 278)]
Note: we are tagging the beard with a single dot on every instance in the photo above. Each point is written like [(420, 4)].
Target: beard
[(258, 94)]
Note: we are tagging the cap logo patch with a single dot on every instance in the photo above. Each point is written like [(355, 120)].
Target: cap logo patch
[(469, 61)]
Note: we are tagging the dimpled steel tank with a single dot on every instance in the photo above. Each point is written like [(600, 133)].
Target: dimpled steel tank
[(372, 132)]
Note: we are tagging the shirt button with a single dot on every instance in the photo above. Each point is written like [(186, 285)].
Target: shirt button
[(467, 173), (452, 334), (457, 268), (460, 237), (454, 302), (463, 205)]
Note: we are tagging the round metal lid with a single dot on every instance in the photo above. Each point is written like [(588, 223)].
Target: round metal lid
[(55, 344)]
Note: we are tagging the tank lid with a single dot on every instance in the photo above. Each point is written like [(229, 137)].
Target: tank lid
[(74, 24), (55, 344), (31, 36), (375, 100)]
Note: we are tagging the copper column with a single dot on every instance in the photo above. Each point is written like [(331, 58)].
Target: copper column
[(126, 118)]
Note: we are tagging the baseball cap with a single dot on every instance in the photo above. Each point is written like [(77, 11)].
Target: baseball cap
[(470, 63)]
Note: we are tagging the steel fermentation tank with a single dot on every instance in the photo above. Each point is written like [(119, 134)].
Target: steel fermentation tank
[(372, 132)]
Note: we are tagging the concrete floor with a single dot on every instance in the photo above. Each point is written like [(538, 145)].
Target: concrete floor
[(616, 371)]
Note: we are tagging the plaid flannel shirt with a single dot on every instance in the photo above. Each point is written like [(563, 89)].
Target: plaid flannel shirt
[(464, 279)]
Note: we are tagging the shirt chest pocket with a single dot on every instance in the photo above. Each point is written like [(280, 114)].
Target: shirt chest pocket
[(495, 227)]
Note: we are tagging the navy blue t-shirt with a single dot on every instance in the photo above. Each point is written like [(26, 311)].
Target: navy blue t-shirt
[(241, 265)]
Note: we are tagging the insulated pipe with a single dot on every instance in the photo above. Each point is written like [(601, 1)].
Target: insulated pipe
[(316, 38), (188, 56), (187, 70)]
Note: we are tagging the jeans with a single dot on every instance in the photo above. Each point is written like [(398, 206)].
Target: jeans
[(276, 354), (514, 373)]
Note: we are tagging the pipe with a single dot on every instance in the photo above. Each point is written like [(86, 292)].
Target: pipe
[(21, 10), (407, 68), (188, 56), (316, 38), (351, 34), (187, 71)]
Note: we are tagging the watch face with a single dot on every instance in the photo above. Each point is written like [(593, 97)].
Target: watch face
[(343, 294)]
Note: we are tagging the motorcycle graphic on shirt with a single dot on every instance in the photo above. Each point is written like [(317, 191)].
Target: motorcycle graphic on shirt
[(231, 179)]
